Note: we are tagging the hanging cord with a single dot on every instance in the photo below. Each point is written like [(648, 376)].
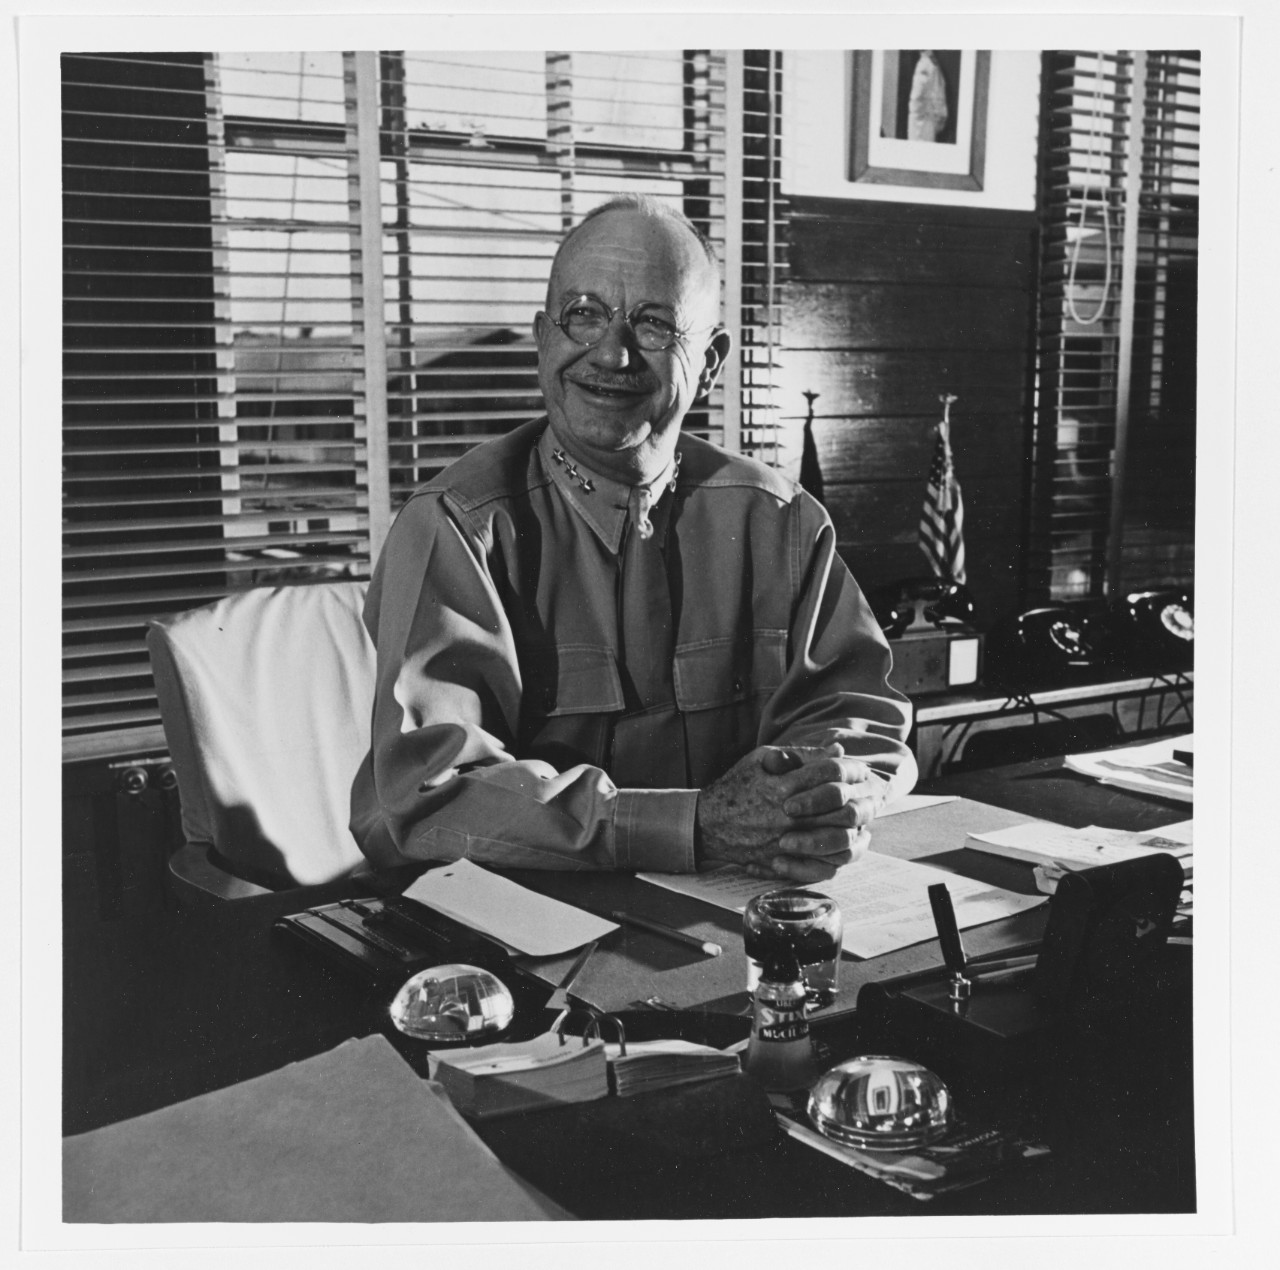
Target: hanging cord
[(289, 237), (1103, 207), (272, 432)]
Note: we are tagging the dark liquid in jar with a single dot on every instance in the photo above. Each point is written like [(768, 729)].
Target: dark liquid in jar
[(813, 948), (810, 946)]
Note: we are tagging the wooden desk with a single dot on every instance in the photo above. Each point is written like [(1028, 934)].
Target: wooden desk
[(159, 1009)]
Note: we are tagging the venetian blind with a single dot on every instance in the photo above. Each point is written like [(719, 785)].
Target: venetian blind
[(1113, 444), (213, 407), (763, 220), (236, 414)]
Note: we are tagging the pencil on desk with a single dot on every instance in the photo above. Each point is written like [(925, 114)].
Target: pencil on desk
[(702, 945)]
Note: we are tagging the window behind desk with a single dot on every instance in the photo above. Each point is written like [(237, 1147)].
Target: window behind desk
[(297, 285), (1113, 467)]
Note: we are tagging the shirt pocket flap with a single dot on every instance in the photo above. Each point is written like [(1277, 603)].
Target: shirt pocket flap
[(717, 672), (587, 682)]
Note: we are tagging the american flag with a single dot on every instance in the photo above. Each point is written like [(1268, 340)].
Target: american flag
[(942, 516)]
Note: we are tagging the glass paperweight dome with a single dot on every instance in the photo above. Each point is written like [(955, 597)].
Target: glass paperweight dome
[(453, 1004), (878, 1101)]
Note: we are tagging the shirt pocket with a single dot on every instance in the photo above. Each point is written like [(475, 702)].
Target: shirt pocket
[(711, 673), (586, 682)]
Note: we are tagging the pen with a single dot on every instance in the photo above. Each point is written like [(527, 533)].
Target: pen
[(702, 945), (1002, 966), (976, 969), (944, 918)]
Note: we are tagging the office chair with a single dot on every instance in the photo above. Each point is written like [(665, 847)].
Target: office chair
[(266, 699)]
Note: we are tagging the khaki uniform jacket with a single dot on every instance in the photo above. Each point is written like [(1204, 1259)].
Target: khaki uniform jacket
[(494, 608)]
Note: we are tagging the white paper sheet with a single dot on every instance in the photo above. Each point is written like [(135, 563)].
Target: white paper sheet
[(504, 910), (884, 901), (1045, 843), (913, 802)]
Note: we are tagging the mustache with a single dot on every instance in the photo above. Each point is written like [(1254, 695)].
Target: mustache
[(615, 383)]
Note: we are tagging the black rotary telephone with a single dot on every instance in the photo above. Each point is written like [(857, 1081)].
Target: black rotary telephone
[(1154, 632), (1055, 644)]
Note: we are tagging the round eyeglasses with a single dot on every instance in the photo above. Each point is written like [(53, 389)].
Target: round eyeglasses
[(586, 319)]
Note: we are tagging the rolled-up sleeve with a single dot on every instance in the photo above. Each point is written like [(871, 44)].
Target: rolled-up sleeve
[(836, 684), (441, 781)]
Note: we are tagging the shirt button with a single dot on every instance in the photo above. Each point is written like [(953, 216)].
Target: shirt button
[(737, 685)]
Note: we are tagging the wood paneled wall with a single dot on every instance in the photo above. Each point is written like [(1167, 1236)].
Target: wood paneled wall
[(887, 305)]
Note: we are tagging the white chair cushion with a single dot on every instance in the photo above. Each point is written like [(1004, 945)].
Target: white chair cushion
[(266, 698)]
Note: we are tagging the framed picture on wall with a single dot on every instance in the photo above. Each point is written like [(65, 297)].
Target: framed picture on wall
[(918, 117)]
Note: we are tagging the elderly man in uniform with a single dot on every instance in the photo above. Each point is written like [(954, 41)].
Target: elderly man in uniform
[(604, 644)]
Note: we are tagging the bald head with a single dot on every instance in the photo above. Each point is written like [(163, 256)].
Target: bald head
[(682, 246)]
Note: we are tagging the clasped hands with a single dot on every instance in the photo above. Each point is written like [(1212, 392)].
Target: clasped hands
[(794, 812)]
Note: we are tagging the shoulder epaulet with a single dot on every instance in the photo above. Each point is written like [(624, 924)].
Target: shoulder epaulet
[(492, 469), (707, 464)]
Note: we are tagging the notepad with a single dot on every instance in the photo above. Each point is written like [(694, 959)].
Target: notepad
[(501, 1079), (506, 911), (666, 1064)]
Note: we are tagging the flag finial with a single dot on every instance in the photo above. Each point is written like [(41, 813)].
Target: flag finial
[(947, 398)]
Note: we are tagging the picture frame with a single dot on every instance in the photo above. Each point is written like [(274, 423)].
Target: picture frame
[(918, 117)]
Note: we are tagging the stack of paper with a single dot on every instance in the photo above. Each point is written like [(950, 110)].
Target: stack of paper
[(1075, 849), (1056, 850), (1145, 769), (665, 1064), (498, 1080)]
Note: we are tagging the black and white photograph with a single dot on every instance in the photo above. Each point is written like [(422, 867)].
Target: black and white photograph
[(919, 116), (629, 633)]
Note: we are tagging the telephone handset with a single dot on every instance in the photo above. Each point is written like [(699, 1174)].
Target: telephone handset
[(922, 603)]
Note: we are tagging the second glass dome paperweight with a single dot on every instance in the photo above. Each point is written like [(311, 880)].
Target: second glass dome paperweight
[(453, 1004), (876, 1101)]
